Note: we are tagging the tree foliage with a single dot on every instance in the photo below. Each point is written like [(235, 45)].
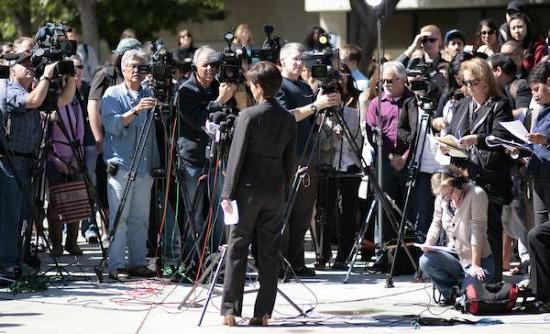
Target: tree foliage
[(146, 17)]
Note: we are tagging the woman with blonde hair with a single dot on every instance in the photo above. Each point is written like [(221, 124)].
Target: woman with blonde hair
[(478, 116)]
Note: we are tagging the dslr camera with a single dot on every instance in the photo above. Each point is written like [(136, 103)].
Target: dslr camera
[(271, 47), (324, 64), (231, 61)]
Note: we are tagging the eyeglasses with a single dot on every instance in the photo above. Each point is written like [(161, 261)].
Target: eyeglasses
[(390, 81), (470, 83), (79, 66), (428, 39)]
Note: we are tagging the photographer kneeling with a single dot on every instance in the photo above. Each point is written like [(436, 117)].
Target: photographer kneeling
[(260, 168), (23, 134), (460, 211)]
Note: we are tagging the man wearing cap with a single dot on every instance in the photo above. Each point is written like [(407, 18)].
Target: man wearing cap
[(108, 75), (22, 132), (198, 97), (454, 43)]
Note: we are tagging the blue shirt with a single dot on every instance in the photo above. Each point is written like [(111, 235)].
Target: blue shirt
[(539, 166), (120, 140), (361, 81), (25, 132)]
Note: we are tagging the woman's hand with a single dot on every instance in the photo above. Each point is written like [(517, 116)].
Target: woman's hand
[(468, 141), (477, 272), (226, 206)]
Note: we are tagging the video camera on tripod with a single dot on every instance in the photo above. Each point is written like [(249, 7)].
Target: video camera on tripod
[(161, 67), (324, 64), (426, 82), (231, 61), (52, 45), (270, 49)]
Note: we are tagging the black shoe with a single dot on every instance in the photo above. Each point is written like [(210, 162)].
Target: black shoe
[(337, 265), (9, 276), (537, 307), (304, 272)]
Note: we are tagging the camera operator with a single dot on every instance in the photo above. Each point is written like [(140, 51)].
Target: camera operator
[(125, 109), (260, 169), (198, 97), (23, 136), (429, 42), (297, 96)]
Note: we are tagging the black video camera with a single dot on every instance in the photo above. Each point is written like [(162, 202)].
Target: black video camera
[(425, 81), (161, 67), (324, 64), (53, 45), (230, 64), (271, 47)]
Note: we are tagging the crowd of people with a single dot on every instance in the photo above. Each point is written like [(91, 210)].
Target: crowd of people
[(295, 162)]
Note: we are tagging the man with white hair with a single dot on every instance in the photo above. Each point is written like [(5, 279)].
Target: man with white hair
[(198, 97), (124, 112), (391, 104), (296, 96)]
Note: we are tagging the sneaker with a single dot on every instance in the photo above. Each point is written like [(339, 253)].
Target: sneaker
[(304, 272), (537, 307), (120, 275), (141, 271), (91, 237)]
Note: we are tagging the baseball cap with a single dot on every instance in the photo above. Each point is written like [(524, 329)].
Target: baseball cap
[(455, 33), (126, 44), (514, 7)]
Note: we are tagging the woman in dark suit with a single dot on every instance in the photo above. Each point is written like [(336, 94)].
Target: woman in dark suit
[(259, 171), (477, 116)]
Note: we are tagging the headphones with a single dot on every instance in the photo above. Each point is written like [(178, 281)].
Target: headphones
[(458, 180)]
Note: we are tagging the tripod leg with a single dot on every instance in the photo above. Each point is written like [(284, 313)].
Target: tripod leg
[(359, 241), (213, 283)]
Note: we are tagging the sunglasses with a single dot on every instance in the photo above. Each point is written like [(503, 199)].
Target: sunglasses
[(428, 39), (488, 32), (471, 83), (79, 66)]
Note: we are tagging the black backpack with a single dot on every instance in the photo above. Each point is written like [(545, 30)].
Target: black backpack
[(492, 298)]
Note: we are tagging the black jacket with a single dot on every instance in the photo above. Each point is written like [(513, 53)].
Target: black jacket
[(489, 165), (195, 103), (263, 151)]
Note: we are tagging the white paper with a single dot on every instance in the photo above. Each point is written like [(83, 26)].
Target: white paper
[(517, 129), (435, 248), (233, 217), (452, 146)]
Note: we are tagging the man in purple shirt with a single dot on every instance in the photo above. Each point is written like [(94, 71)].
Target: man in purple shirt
[(394, 151)]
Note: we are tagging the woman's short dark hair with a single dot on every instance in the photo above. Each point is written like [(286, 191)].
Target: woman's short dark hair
[(267, 76), (540, 73)]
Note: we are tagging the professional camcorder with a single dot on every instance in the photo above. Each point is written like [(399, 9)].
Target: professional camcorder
[(425, 81), (161, 67), (53, 45), (230, 64), (324, 64), (271, 47)]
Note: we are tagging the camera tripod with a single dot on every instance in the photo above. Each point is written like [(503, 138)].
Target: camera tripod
[(380, 199)]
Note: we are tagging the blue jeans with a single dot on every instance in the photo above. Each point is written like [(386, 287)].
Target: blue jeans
[(445, 270), (12, 210), (132, 226)]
